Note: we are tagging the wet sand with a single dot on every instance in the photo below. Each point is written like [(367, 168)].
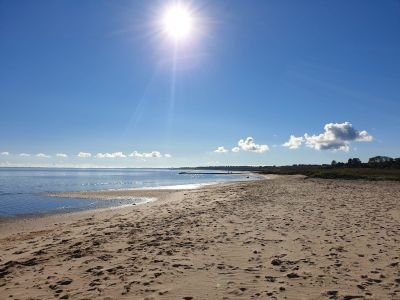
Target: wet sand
[(283, 238)]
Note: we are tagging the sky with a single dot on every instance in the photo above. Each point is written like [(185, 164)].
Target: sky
[(102, 84)]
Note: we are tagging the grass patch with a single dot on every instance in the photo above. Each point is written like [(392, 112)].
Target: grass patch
[(358, 173)]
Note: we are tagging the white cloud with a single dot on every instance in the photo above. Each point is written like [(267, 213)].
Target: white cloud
[(5, 153), (363, 136), (42, 155), (249, 145), (118, 155), (101, 155), (111, 155), (135, 154), (153, 154), (167, 155), (221, 150), (235, 149), (62, 155), (294, 142), (24, 154), (336, 136), (84, 155)]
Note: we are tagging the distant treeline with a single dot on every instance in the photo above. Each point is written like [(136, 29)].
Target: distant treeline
[(377, 168), (382, 162)]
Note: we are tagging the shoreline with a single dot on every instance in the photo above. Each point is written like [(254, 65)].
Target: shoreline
[(128, 193), (25, 223), (22, 223), (149, 192), (283, 238)]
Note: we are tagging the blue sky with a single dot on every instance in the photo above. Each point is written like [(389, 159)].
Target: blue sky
[(102, 77)]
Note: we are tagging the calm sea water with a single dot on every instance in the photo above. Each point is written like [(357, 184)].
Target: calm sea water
[(23, 190)]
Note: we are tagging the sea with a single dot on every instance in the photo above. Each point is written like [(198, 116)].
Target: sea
[(24, 191)]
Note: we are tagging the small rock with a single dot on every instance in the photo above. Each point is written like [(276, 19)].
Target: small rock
[(349, 297), (270, 278), (65, 281), (292, 275), (361, 287), (332, 293), (276, 262)]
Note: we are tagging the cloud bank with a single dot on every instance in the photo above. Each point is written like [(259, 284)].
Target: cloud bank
[(152, 154), (110, 155), (99, 155), (336, 136)]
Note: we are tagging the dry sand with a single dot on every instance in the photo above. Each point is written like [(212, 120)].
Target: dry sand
[(285, 238)]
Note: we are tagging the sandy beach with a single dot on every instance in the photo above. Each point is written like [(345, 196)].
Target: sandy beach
[(287, 237)]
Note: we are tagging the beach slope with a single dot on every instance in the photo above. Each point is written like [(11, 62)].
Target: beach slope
[(284, 238)]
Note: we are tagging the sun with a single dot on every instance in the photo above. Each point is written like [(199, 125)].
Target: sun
[(177, 22)]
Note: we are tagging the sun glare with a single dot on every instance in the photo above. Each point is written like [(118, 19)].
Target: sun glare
[(177, 22)]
